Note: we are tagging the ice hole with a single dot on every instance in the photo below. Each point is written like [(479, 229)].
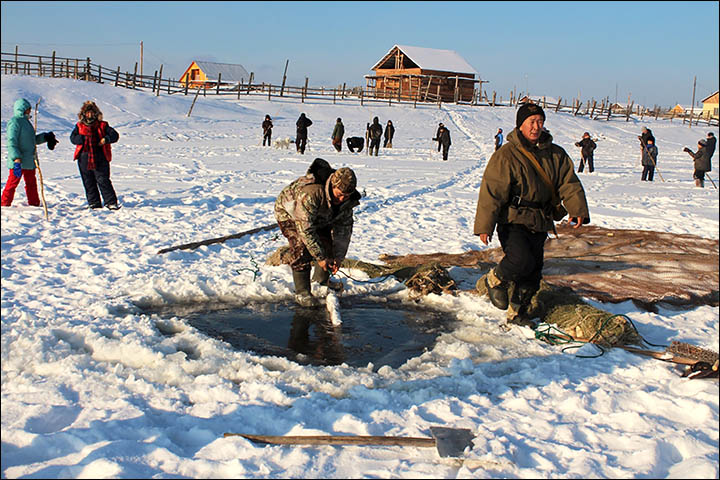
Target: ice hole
[(377, 332)]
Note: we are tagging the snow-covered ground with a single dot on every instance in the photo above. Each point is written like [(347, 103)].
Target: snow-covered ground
[(94, 388)]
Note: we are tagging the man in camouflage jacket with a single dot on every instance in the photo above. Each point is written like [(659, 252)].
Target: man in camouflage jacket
[(523, 204), (315, 214)]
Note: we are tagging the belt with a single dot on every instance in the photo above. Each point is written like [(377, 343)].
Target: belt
[(516, 201)]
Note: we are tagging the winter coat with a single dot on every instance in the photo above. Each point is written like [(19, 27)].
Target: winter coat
[(649, 156), (444, 136), (512, 191), (302, 123), (267, 127), (338, 131), (498, 139), (389, 131), (710, 144), (376, 130), (99, 129), (306, 201), (587, 146), (701, 160), (21, 137)]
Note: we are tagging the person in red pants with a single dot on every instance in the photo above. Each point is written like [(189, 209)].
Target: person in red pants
[(21, 144)]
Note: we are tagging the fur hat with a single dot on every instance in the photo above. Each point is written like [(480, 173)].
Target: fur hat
[(528, 110), (89, 105), (344, 179)]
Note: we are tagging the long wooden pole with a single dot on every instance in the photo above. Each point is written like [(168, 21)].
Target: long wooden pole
[(37, 165), (211, 241), (692, 104)]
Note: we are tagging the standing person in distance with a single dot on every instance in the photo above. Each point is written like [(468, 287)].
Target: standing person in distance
[(436, 138), (302, 125), (527, 185), (587, 147), (498, 139), (337, 134), (21, 145), (649, 160), (389, 134), (375, 132), (92, 137), (444, 141), (701, 162), (267, 127), (710, 144)]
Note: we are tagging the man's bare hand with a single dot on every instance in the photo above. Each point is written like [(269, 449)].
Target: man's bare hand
[(578, 221), (485, 238)]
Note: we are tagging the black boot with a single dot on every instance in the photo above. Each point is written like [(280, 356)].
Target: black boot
[(497, 290), (303, 296), (518, 310), (322, 277)]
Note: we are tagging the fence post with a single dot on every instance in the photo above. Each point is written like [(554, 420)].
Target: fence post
[(217, 87), (17, 66), (269, 90), (305, 89), (252, 76), (438, 96), (557, 107), (343, 92), (157, 94), (361, 96), (87, 69), (334, 94), (134, 76), (52, 70), (99, 73), (40, 67)]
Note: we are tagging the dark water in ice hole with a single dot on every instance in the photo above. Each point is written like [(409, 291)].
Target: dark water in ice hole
[(384, 333)]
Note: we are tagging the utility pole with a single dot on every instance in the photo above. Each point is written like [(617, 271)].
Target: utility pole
[(692, 105), (141, 59), (616, 90)]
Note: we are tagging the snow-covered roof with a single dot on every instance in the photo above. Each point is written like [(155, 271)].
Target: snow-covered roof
[(230, 72), (433, 59)]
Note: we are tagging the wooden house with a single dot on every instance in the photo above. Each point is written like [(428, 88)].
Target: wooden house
[(710, 105), (411, 73), (207, 74), (677, 110)]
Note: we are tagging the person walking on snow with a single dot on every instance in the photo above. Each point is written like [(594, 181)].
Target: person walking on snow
[(527, 185), (375, 131), (315, 214), (21, 144), (701, 162), (498, 139), (389, 134), (302, 125), (337, 134), (586, 153), (92, 137), (649, 160), (444, 141), (267, 127)]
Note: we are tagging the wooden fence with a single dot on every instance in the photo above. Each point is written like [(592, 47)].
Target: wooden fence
[(84, 69)]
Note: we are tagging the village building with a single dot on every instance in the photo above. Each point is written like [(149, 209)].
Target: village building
[(423, 74), (208, 74), (710, 105), (677, 110)]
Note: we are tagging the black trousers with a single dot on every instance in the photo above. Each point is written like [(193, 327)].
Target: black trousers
[(98, 178), (374, 144), (648, 172), (589, 160), (301, 143), (445, 150), (267, 137), (524, 253)]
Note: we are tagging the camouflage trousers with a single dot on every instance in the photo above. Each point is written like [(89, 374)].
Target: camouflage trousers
[(298, 256)]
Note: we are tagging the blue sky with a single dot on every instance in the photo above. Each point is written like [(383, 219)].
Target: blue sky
[(651, 50)]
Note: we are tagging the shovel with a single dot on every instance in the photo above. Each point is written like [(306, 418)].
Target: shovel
[(450, 442)]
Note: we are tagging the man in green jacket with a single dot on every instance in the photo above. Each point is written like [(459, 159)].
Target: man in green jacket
[(315, 214), (337, 134), (528, 184)]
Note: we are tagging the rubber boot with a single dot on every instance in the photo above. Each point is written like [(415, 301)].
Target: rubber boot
[(497, 290), (303, 296), (518, 309), (322, 277)]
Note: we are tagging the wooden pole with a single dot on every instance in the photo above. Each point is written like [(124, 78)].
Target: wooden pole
[(193, 102), (252, 75), (52, 71), (141, 59), (305, 89), (692, 105), (157, 94), (17, 69), (282, 89), (134, 76), (40, 67), (37, 165), (217, 87)]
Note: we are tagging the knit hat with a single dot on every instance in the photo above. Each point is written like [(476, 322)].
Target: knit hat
[(702, 142), (528, 110), (344, 179)]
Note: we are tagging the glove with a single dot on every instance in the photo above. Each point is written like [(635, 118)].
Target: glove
[(686, 149), (51, 140), (17, 170)]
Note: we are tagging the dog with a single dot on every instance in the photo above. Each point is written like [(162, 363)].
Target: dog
[(283, 142), (355, 143)]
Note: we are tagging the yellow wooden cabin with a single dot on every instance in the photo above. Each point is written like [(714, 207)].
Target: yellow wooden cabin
[(410, 73), (677, 109), (207, 74), (710, 105)]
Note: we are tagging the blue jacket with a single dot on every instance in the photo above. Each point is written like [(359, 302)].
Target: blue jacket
[(21, 137)]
